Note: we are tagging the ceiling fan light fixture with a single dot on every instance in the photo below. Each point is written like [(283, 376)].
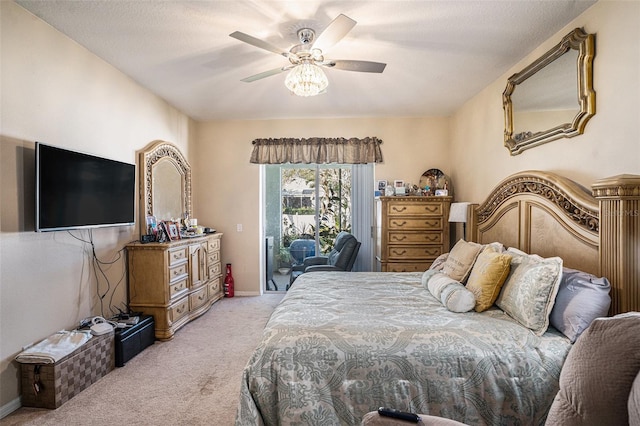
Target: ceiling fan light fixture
[(306, 79)]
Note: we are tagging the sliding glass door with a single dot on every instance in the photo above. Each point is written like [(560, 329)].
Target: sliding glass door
[(306, 206)]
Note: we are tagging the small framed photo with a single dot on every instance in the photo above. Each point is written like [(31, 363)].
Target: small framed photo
[(442, 192), (152, 225), (173, 231), (382, 185), (399, 187)]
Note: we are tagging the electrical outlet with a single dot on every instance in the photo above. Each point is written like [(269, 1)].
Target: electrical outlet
[(239, 227)]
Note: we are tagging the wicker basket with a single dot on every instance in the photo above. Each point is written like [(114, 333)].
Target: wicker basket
[(51, 385)]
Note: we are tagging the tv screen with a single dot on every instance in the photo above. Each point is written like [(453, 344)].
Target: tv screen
[(76, 190)]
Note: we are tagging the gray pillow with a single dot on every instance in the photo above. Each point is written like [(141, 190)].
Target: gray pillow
[(598, 374), (633, 405), (581, 298)]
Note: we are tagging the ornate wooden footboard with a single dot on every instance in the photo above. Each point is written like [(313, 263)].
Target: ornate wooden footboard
[(595, 231)]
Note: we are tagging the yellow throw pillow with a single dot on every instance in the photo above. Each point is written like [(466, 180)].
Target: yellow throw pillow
[(461, 259), (487, 277)]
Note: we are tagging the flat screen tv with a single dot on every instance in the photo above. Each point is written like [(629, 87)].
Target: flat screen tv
[(76, 190)]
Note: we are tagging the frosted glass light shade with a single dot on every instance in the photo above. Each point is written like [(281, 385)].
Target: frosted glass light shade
[(306, 80)]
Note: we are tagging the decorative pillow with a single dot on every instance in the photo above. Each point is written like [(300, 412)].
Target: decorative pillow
[(633, 405), (438, 264), (460, 260), (426, 276), (598, 374), (487, 276), (581, 298), (453, 295), (530, 290)]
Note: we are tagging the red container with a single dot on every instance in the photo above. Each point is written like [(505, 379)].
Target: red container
[(228, 282)]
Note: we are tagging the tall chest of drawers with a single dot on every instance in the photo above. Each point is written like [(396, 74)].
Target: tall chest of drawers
[(175, 281), (411, 232)]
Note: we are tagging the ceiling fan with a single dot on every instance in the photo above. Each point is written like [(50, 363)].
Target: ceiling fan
[(305, 58)]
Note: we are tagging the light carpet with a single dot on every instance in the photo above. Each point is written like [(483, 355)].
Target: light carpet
[(192, 379)]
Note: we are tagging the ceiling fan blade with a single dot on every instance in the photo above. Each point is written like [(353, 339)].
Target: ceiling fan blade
[(360, 66), (265, 74), (258, 43), (335, 31)]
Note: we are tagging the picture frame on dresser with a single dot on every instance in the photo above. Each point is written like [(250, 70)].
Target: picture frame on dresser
[(173, 231)]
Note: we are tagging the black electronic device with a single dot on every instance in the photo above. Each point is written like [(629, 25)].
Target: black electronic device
[(148, 238), (397, 414), (76, 190)]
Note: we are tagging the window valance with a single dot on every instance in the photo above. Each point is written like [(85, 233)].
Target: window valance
[(317, 151)]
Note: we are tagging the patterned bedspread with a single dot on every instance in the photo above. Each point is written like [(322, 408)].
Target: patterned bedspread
[(342, 344)]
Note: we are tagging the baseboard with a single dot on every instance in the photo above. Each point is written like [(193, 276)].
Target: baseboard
[(247, 293), (10, 407)]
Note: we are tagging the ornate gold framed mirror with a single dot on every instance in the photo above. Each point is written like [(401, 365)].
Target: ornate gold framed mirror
[(553, 97), (165, 179)]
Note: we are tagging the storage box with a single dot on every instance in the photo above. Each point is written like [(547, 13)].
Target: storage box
[(51, 385), (133, 340)]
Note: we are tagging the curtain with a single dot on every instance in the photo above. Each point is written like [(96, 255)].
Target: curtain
[(316, 151)]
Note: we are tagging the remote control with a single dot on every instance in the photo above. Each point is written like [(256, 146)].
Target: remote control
[(397, 414)]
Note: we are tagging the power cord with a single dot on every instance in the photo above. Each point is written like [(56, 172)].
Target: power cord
[(99, 271)]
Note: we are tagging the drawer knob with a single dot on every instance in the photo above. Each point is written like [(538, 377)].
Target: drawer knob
[(404, 222), (399, 209), (401, 238), (399, 252)]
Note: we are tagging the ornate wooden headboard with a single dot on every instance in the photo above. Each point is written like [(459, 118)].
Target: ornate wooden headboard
[(595, 231)]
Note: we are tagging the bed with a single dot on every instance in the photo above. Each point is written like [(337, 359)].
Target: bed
[(342, 344)]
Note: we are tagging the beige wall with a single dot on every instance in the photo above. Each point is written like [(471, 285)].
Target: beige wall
[(611, 142), (55, 91), (228, 190)]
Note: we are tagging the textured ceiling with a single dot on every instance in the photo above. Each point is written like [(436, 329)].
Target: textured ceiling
[(439, 53)]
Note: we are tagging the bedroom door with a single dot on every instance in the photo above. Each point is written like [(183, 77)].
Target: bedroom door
[(311, 204)]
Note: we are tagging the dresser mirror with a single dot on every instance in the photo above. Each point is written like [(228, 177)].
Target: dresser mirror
[(166, 183), (553, 97)]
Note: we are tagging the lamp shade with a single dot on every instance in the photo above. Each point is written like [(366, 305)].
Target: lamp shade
[(458, 212), (306, 79)]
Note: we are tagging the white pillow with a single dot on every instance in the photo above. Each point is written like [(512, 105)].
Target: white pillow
[(529, 293), (453, 295)]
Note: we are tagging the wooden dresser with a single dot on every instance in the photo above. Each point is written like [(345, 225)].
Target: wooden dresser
[(411, 231), (175, 281)]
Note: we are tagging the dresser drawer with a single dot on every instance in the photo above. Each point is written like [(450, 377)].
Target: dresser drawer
[(413, 252), (215, 269), (406, 267), (179, 255), (396, 223), (198, 298), (214, 245), (213, 257), (215, 288), (179, 310), (413, 209), (178, 272), (177, 287), (403, 237)]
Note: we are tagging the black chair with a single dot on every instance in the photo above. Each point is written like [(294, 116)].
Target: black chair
[(340, 258)]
